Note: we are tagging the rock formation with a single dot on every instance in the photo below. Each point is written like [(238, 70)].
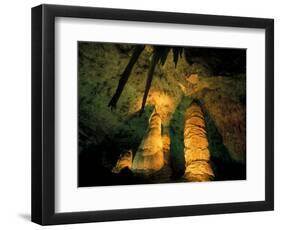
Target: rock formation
[(192, 82), (166, 148), (196, 152), (149, 157), (125, 160)]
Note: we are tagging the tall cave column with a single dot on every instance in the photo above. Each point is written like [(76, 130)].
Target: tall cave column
[(196, 151), (149, 157)]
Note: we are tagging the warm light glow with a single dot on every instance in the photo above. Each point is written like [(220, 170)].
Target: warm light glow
[(196, 152), (164, 104), (149, 156)]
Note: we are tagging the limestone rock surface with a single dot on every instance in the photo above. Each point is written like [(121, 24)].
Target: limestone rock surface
[(196, 151), (149, 157), (125, 160)]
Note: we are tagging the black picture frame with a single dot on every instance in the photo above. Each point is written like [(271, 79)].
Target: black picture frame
[(43, 110)]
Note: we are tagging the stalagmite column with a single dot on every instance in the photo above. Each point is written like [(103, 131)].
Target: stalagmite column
[(125, 160), (149, 157), (196, 152)]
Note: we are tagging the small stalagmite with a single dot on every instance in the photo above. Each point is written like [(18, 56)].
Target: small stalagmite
[(196, 151), (149, 157), (125, 160)]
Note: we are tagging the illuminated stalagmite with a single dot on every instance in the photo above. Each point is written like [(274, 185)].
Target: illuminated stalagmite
[(149, 157), (125, 160), (196, 152)]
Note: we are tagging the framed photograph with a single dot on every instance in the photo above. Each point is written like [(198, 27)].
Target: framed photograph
[(142, 114)]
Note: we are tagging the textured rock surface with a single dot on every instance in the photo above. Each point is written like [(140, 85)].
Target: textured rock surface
[(196, 152), (125, 160), (193, 79), (166, 148), (149, 157), (192, 82)]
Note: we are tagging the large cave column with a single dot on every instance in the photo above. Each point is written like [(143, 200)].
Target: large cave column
[(196, 151), (149, 157)]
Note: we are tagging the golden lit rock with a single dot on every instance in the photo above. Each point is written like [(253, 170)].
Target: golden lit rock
[(199, 171), (196, 155), (125, 160), (193, 79), (196, 152), (149, 156), (195, 121), (192, 83)]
